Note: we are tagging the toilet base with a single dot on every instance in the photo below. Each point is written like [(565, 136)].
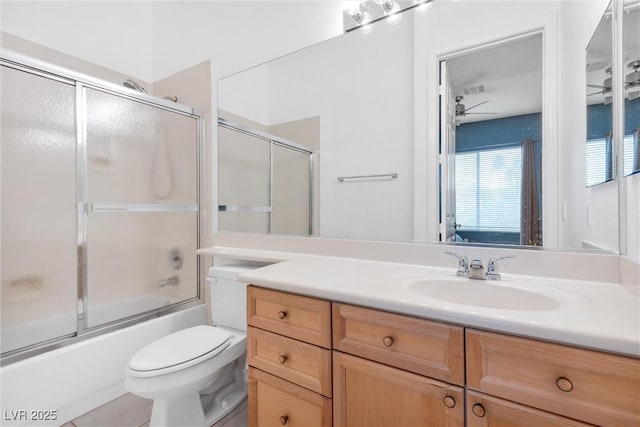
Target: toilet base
[(183, 411), (219, 410)]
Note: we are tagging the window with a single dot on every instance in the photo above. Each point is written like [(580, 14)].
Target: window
[(488, 188), (599, 161), (630, 153)]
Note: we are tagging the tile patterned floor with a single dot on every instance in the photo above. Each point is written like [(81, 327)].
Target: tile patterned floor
[(134, 411)]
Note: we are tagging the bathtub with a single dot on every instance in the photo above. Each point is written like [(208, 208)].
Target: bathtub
[(23, 334), (77, 378)]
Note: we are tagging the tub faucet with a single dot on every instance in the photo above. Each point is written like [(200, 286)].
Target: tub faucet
[(463, 264), (171, 281)]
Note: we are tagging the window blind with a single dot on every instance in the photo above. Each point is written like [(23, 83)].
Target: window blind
[(628, 149), (488, 189), (596, 162)]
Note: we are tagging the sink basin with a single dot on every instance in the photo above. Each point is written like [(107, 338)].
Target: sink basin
[(481, 293)]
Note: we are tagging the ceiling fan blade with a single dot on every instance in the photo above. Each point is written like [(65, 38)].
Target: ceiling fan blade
[(477, 105), (596, 93), (597, 86), (481, 113)]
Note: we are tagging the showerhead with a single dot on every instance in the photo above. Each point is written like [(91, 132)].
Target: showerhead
[(133, 85)]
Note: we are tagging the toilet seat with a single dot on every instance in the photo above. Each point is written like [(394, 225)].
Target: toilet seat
[(179, 350)]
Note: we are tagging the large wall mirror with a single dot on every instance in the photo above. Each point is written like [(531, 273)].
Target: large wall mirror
[(631, 58), (599, 145), (362, 112)]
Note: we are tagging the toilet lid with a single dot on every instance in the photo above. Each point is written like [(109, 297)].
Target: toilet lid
[(180, 347)]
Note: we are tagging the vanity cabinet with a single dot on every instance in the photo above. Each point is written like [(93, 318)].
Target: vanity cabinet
[(372, 385), (320, 363), (289, 357)]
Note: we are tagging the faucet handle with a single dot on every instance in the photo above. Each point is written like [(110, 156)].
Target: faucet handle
[(463, 263), (492, 266)]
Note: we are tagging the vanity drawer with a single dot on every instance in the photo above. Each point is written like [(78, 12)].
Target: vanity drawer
[(587, 385), (487, 411), (303, 318), (417, 345), (276, 402), (301, 363)]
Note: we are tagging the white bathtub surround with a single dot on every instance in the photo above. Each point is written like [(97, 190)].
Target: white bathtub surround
[(77, 378)]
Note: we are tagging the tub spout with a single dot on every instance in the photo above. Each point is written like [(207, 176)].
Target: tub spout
[(171, 281)]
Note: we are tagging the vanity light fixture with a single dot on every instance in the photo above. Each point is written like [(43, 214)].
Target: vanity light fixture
[(370, 11), (388, 6)]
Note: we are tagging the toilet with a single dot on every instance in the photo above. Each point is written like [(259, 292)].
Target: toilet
[(197, 375)]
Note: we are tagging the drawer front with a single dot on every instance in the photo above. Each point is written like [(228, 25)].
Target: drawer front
[(305, 319), (304, 364), (276, 402), (590, 386), (417, 345), (487, 411)]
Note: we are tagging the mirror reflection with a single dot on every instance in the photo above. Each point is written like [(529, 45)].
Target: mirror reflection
[(631, 55), (498, 143), (599, 148), (366, 105)]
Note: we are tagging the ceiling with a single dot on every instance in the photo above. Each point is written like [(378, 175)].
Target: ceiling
[(511, 74)]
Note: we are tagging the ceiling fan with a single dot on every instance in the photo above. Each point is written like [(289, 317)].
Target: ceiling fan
[(632, 80), (605, 87), (462, 110)]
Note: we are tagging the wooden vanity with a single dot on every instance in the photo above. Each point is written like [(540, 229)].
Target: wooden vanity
[(314, 362)]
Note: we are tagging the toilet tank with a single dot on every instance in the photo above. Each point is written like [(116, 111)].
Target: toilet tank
[(228, 296)]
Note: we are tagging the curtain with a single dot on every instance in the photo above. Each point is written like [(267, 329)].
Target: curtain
[(609, 166), (529, 210), (636, 150)]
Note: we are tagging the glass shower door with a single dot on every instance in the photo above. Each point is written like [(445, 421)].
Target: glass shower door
[(142, 202), (38, 268), (244, 182)]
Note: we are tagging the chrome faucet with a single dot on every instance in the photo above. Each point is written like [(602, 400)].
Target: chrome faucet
[(492, 267), (476, 270), (463, 264)]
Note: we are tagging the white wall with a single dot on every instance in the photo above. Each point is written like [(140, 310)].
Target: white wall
[(246, 94), (237, 34), (351, 83), (113, 34), (578, 21)]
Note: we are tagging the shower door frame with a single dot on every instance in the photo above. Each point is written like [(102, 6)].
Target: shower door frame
[(272, 140), (81, 82)]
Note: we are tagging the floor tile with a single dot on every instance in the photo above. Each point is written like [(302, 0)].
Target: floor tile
[(237, 418), (125, 411)]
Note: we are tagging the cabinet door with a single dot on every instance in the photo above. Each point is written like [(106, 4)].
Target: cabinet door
[(486, 411), (591, 386), (276, 402), (371, 394)]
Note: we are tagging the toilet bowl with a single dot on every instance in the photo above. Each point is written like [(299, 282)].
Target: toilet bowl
[(197, 375)]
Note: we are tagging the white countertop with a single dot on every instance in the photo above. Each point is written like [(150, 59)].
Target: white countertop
[(598, 315)]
